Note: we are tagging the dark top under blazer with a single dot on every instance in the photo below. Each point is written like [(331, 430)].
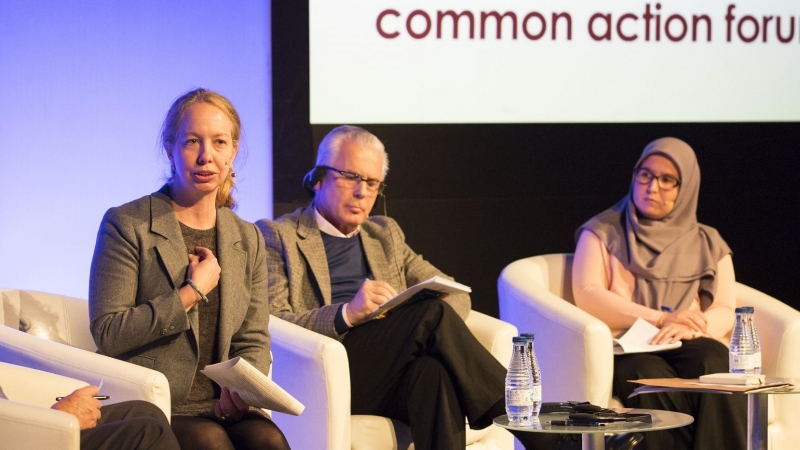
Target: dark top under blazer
[(299, 278), (136, 314)]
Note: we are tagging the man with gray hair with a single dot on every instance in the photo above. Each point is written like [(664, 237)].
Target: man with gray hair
[(331, 265)]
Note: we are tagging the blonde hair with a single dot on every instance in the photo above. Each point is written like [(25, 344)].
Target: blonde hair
[(172, 123)]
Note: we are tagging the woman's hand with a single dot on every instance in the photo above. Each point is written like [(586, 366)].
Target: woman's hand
[(204, 269), (693, 319), (204, 272), (674, 332), (230, 406)]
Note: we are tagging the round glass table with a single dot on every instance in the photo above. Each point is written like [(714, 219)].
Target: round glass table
[(593, 437)]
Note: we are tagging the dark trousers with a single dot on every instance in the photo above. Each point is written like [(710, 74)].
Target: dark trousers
[(422, 366), (720, 419), (130, 425)]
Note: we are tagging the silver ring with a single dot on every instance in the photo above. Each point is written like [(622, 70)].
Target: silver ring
[(224, 417)]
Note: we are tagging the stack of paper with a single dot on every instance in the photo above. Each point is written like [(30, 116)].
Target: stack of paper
[(733, 379), (253, 387)]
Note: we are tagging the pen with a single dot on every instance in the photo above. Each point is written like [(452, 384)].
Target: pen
[(97, 397), (666, 309)]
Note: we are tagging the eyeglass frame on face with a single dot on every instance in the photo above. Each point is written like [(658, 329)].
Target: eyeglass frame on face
[(660, 179), (348, 176)]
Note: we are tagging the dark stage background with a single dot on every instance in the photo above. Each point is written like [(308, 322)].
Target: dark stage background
[(473, 198)]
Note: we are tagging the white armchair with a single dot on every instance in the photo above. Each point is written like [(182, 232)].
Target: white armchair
[(574, 348), (50, 333), (26, 421), (315, 369)]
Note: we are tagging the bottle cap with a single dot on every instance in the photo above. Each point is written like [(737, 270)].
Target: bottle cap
[(519, 340), (527, 335), (741, 310)]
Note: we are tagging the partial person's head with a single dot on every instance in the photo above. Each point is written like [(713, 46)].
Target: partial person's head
[(666, 180), (351, 166), (200, 136)]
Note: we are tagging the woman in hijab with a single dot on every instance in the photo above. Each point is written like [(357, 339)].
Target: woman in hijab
[(647, 257)]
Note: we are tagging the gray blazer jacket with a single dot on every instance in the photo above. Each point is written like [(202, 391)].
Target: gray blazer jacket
[(140, 262), (299, 279)]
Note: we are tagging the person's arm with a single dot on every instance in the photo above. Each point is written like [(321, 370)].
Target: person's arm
[(417, 269), (313, 317), (251, 341), (590, 287), (118, 323), (721, 314), (81, 404)]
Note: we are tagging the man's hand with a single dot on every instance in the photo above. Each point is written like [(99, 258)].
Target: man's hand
[(369, 297), (82, 405)]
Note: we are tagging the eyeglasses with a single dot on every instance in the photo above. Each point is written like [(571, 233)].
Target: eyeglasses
[(665, 182), (352, 179)]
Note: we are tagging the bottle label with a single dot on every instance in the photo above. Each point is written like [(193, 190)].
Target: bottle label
[(757, 359), (518, 397), (536, 393), (741, 362)]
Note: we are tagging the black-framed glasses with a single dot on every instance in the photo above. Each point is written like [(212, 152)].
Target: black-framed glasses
[(352, 179), (665, 182)]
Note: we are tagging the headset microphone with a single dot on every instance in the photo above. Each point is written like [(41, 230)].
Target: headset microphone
[(311, 179)]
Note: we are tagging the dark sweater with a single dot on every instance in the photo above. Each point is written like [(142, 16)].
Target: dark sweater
[(348, 269)]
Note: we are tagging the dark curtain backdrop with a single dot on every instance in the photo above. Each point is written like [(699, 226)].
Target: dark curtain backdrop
[(473, 198)]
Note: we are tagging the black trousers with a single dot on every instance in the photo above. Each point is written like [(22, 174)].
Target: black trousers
[(720, 419), (422, 366), (130, 425)]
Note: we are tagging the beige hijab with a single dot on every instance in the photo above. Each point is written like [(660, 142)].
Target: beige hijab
[(673, 258)]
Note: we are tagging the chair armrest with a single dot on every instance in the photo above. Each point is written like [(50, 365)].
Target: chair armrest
[(494, 334), (313, 368), (779, 330), (35, 387), (574, 349), (28, 426), (121, 380)]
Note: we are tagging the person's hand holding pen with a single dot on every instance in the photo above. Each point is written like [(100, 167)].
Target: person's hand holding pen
[(679, 325), (370, 296), (83, 404)]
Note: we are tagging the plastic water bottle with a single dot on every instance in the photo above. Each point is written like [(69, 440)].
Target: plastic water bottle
[(536, 374), (741, 349), (519, 386), (751, 322)]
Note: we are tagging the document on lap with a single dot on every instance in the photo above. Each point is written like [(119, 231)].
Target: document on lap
[(436, 287), (637, 340), (255, 388)]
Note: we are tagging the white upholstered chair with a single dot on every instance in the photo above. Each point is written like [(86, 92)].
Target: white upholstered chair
[(314, 368), (574, 348), (27, 421), (50, 333)]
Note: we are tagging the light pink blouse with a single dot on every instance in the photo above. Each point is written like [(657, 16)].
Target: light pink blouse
[(603, 287)]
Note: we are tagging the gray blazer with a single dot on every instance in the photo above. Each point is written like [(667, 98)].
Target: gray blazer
[(299, 279), (136, 314)]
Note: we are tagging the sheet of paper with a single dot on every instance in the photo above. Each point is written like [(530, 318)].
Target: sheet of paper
[(255, 388), (436, 287), (637, 340)]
